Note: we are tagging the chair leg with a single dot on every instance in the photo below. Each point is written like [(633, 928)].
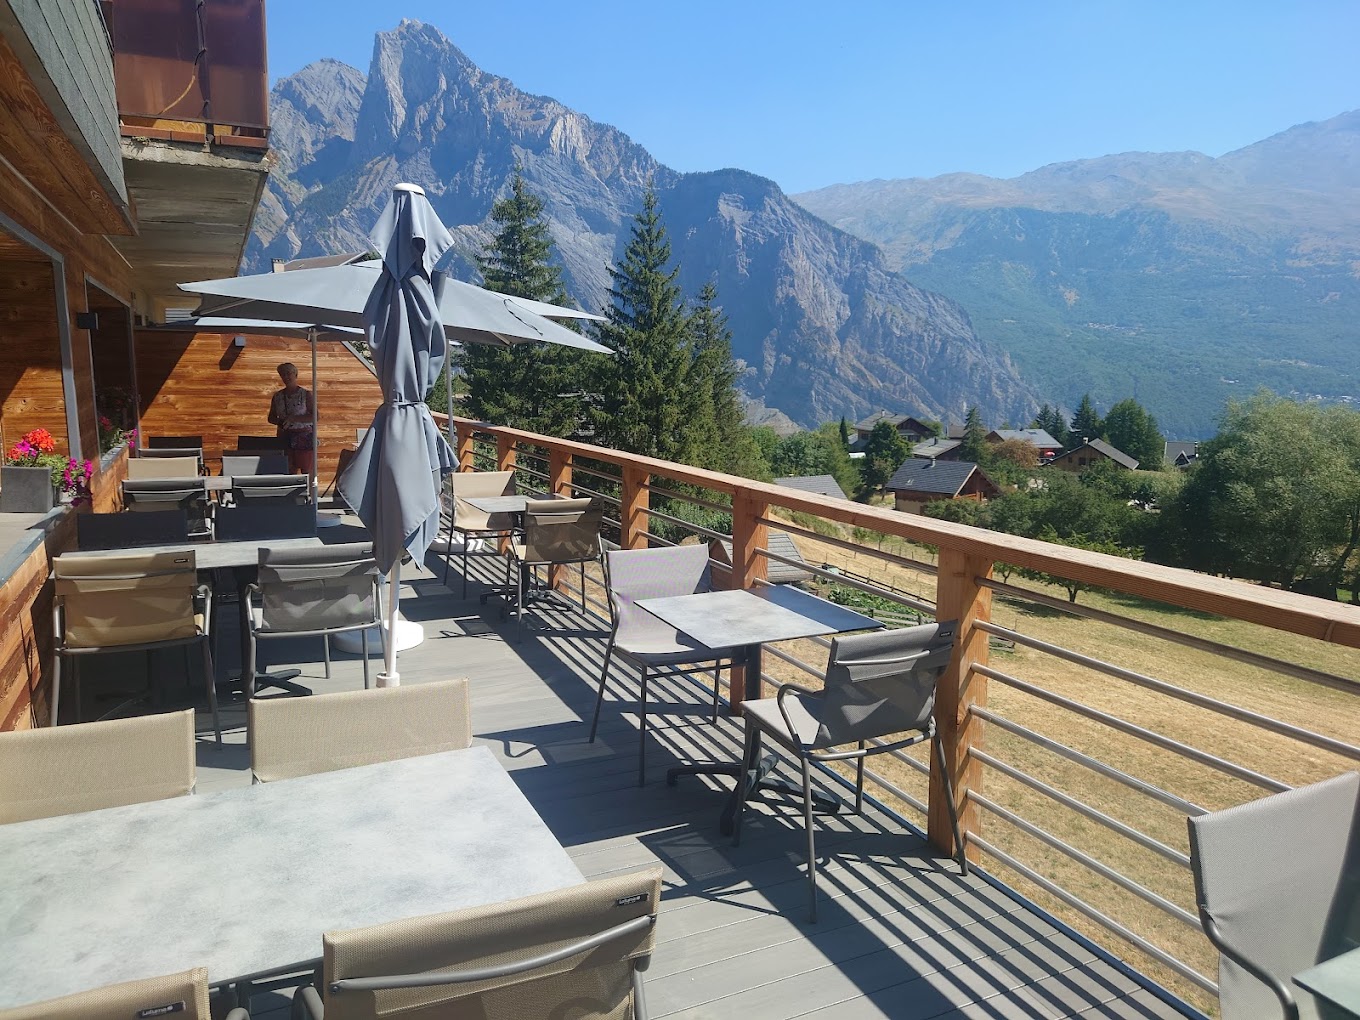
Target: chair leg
[(326, 650), (750, 762), (717, 688), (811, 842), (962, 857), (75, 685), (599, 698), (363, 648), (56, 688), (642, 731), (859, 781), (466, 539), (211, 679)]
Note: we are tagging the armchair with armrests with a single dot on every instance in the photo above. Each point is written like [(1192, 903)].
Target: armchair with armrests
[(164, 467), (577, 952), (160, 494), (470, 522), (180, 996), (1277, 884), (880, 684), (128, 531), (270, 490), (172, 452), (655, 647), (261, 443), (174, 443), (128, 602), (253, 462), (556, 532)]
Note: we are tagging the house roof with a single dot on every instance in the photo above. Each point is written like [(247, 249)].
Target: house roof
[(1175, 449), (935, 447), (934, 477), (823, 485), (895, 420), (1100, 446), (776, 572), (1035, 437)]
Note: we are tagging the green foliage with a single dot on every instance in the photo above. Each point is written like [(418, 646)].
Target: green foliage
[(845, 432), (1275, 496), (819, 452), (1074, 588), (711, 396), (1085, 423), (974, 445), (884, 453), (1128, 427), (531, 386), (1051, 420)]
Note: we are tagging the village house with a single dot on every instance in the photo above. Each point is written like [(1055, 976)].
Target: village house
[(918, 482), (1090, 453)]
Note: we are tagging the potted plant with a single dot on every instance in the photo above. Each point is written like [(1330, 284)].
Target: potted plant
[(27, 482), (75, 483)]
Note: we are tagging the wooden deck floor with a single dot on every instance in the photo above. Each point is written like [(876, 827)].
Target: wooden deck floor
[(901, 934)]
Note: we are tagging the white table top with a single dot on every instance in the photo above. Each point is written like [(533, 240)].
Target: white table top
[(246, 880), (728, 619)]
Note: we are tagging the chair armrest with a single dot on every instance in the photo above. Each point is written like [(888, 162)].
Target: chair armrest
[(307, 1004), (784, 691), (1288, 1006)]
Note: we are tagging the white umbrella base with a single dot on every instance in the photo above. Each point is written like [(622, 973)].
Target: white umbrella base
[(328, 520), (409, 635)]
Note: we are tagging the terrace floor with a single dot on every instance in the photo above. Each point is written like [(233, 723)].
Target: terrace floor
[(901, 933)]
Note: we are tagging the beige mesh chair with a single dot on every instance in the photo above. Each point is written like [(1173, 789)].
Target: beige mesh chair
[(556, 532), (292, 737), (128, 602), (163, 467), (88, 766), (470, 522), (180, 996), (577, 952)]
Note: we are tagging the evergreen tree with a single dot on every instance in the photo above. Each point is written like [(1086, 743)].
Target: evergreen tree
[(523, 386), (1050, 419), (1130, 428), (974, 445), (1085, 423), (715, 412), (644, 406), (845, 432)]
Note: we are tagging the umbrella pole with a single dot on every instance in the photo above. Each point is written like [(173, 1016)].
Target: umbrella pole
[(316, 418), (389, 676), (448, 390)]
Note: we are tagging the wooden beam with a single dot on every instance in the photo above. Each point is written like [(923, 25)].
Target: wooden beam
[(465, 448), (637, 500), (750, 534), (559, 484)]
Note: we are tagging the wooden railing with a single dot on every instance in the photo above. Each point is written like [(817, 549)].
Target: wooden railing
[(1004, 798)]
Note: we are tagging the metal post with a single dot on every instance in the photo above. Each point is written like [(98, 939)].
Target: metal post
[(389, 676)]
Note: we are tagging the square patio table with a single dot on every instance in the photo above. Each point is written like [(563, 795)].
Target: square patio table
[(747, 618), (245, 881), (1336, 981), (515, 505)]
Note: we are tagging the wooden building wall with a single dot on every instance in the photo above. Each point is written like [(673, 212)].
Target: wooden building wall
[(31, 394), (200, 384)]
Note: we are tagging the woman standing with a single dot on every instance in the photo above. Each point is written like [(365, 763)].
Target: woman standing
[(290, 411)]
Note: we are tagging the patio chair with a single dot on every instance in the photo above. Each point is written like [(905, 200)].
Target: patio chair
[(127, 531), (174, 442), (261, 443), (312, 592), (291, 737), (174, 452), (253, 523), (1277, 884), (155, 495), (470, 522), (86, 766), (878, 685), (271, 490), (128, 602), (261, 462), (180, 996), (164, 467), (576, 952), (556, 532), (658, 650)]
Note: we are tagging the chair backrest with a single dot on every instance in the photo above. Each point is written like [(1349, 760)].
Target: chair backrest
[(178, 996), (265, 462), (62, 770), (1278, 879), (636, 574), (162, 467), (248, 523), (261, 443), (173, 453), (174, 442), (503, 938), (159, 494), (271, 490), (463, 484), (328, 587), (127, 531), (109, 600), (882, 683), (561, 530), (292, 737)]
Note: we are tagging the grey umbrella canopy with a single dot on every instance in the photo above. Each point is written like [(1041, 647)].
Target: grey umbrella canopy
[(394, 481)]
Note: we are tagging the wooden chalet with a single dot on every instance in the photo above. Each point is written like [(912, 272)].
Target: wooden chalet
[(1090, 453), (919, 481)]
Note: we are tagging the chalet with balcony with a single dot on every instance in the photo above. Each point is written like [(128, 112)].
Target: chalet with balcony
[(919, 481)]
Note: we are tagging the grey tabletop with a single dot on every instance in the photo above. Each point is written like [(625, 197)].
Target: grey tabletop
[(504, 504), (726, 619), (1336, 980), (246, 880), (222, 555)]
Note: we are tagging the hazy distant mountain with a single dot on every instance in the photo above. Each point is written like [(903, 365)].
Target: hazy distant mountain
[(1176, 277), (824, 325)]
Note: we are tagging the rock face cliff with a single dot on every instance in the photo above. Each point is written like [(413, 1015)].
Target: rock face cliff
[(822, 322)]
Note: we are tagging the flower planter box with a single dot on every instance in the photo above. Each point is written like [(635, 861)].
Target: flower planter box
[(26, 490)]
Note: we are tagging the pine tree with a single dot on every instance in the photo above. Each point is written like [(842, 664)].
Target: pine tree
[(643, 402), (1130, 428), (1050, 419), (524, 386), (974, 445), (717, 415), (845, 432), (1085, 423)]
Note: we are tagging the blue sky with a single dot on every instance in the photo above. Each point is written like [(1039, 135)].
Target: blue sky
[(814, 93)]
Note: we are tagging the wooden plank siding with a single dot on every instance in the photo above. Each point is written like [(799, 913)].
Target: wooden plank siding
[(200, 384)]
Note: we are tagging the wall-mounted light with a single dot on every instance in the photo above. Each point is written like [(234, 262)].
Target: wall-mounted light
[(87, 320), (239, 341)]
